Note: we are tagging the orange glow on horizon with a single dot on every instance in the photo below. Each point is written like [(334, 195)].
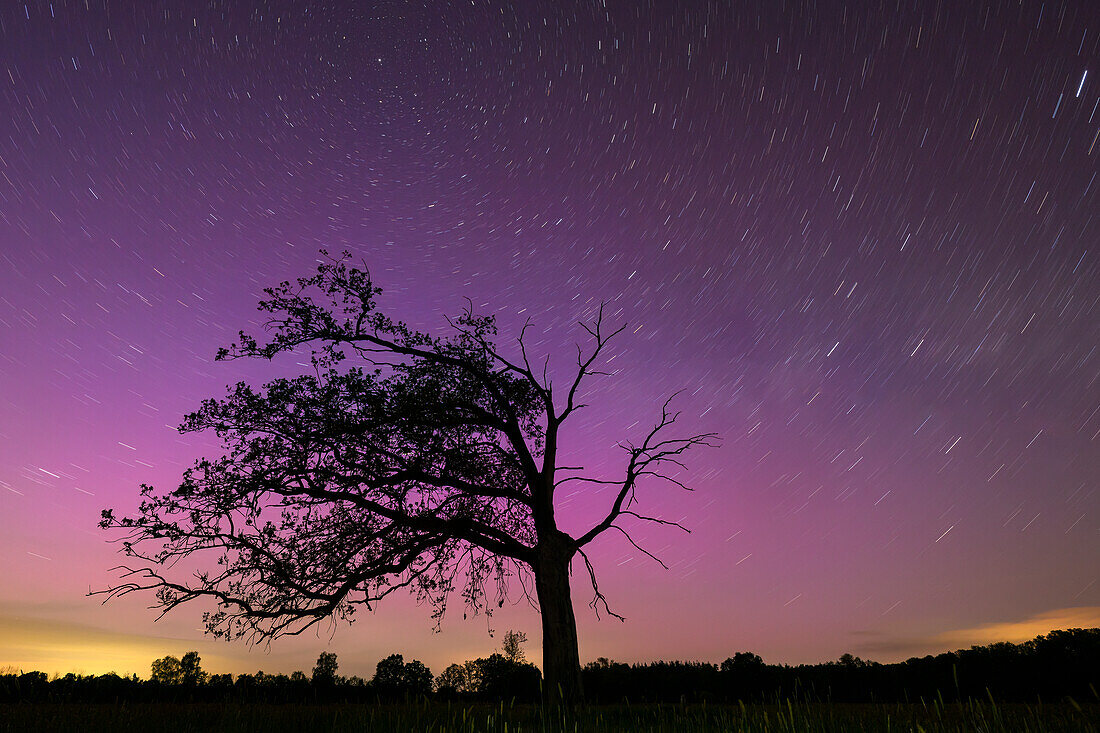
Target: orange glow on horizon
[(59, 647), (1016, 632)]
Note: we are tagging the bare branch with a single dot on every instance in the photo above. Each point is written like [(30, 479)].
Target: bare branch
[(645, 460), (638, 547), (584, 364), (598, 598), (655, 520)]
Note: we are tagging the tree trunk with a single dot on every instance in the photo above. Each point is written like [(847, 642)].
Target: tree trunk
[(560, 657)]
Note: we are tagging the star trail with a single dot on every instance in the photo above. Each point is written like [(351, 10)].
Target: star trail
[(861, 238)]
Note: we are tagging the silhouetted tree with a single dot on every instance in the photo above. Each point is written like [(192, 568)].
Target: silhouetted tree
[(418, 679), (166, 671), (191, 672), (742, 662), (454, 680), (512, 646), (220, 681), (430, 462), (393, 678), (244, 684), (389, 674), (324, 672), (498, 678)]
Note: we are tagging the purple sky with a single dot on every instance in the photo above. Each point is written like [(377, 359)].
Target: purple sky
[(862, 238)]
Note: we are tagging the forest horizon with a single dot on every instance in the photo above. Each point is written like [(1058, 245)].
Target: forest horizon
[(851, 250), (1054, 666)]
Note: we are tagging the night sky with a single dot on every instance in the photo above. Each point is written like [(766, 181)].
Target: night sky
[(863, 238)]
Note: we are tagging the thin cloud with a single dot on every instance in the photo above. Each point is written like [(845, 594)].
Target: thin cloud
[(1016, 632), (1082, 617)]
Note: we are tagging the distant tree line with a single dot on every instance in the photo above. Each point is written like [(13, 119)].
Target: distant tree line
[(1048, 668), (505, 675)]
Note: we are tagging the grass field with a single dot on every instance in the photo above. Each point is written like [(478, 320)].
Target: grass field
[(972, 717)]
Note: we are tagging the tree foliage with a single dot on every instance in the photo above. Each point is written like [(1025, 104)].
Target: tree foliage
[(456, 679), (396, 678), (512, 646), (324, 672), (166, 671), (170, 670), (490, 678), (191, 672), (742, 662)]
